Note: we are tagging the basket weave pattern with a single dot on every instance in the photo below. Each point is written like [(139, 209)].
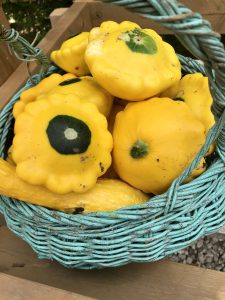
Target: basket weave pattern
[(167, 222)]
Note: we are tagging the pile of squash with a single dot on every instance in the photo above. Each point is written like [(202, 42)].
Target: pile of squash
[(119, 125)]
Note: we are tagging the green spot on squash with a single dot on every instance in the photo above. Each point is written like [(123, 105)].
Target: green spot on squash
[(68, 135), (139, 149), (69, 81), (139, 41)]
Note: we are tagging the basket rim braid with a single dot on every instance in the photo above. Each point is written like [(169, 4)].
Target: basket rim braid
[(168, 222)]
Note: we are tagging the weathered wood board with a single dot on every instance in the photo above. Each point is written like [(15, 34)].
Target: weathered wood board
[(14, 288)]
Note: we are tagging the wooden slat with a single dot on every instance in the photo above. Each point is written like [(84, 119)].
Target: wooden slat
[(159, 281), (96, 12), (206, 7), (56, 14), (8, 63), (13, 288)]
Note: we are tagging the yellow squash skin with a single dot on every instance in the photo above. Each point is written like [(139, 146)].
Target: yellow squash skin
[(154, 141), (44, 86), (40, 141), (129, 62), (194, 90), (70, 56), (106, 195), (88, 90)]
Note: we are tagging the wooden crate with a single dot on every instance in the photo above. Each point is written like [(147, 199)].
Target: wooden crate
[(23, 276)]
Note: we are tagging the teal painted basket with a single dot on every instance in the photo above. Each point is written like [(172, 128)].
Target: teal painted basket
[(166, 223)]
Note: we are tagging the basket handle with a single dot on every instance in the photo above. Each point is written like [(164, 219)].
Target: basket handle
[(23, 50)]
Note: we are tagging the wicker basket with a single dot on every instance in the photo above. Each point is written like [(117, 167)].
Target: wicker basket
[(167, 222)]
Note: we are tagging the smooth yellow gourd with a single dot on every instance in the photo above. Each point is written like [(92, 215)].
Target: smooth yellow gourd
[(129, 62), (62, 143), (154, 141), (106, 195), (44, 86), (70, 56)]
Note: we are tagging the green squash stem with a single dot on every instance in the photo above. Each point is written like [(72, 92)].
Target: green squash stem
[(139, 149)]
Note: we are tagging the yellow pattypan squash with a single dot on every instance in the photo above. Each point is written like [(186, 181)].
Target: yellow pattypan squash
[(70, 56), (44, 86), (129, 62), (106, 195), (62, 143), (87, 89), (193, 89), (154, 141)]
